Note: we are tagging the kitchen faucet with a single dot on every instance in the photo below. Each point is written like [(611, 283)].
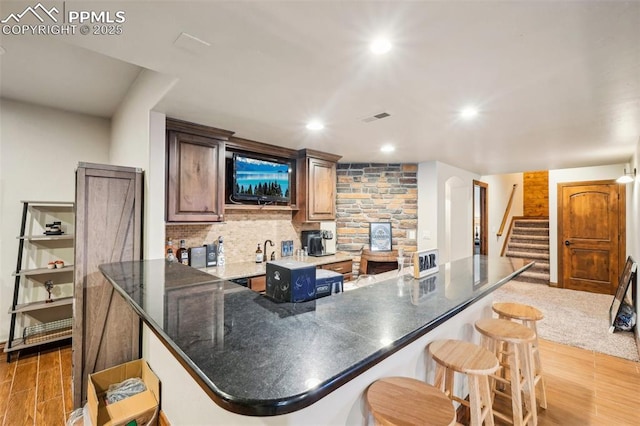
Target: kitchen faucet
[(273, 253)]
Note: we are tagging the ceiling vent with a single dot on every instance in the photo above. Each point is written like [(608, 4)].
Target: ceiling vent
[(378, 116)]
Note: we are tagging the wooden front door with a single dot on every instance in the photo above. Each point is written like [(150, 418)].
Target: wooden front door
[(591, 219)]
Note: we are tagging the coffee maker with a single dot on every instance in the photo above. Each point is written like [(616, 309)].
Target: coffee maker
[(314, 241)]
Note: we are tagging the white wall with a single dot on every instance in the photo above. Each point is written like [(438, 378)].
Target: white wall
[(427, 234), (137, 140), (445, 209), (39, 150), (498, 194), (581, 174)]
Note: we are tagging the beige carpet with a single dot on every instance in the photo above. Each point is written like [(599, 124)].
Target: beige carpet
[(574, 318)]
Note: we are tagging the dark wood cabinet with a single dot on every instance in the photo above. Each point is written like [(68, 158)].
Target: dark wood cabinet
[(195, 190), (258, 283), (106, 330), (195, 172), (316, 192), (345, 268)]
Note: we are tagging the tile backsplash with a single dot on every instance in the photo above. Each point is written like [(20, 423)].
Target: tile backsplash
[(241, 233)]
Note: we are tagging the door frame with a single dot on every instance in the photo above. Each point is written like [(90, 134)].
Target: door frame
[(484, 217), (622, 224)]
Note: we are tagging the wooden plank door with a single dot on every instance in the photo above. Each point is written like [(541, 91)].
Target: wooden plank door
[(591, 235), (106, 330)]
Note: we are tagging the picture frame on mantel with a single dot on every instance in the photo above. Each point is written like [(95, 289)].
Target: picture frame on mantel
[(380, 236)]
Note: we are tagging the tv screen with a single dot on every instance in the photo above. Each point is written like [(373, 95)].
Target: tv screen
[(260, 179)]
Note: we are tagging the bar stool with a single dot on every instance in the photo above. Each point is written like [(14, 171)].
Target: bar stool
[(517, 341), (477, 363), (529, 316), (406, 401)]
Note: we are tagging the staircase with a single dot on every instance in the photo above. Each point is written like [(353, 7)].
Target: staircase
[(529, 239)]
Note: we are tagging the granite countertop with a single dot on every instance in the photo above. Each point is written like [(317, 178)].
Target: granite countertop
[(251, 269), (258, 357)]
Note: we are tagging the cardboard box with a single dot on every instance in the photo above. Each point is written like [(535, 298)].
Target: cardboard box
[(328, 282), (291, 281), (141, 407)]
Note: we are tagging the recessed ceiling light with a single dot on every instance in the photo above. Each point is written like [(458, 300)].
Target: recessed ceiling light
[(315, 125), (469, 113), (380, 46), (387, 148)]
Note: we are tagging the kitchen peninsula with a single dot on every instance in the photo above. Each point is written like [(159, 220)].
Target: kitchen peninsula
[(227, 355)]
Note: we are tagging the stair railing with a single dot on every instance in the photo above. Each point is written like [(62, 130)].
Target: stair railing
[(506, 211)]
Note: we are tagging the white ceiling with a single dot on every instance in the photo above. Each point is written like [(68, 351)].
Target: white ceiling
[(557, 83)]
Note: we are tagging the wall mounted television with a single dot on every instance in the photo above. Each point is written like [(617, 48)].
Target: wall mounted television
[(260, 179)]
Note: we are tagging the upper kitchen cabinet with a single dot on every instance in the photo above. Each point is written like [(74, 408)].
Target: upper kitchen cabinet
[(195, 172), (316, 191)]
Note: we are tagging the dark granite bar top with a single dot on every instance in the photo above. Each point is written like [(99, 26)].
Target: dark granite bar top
[(258, 357)]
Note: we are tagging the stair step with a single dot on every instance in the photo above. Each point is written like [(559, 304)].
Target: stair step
[(525, 255), (533, 277), (531, 231), (540, 266), (529, 240), (524, 237), (531, 223), (529, 246)]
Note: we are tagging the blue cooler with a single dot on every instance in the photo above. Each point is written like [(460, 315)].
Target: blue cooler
[(291, 281), (328, 282)]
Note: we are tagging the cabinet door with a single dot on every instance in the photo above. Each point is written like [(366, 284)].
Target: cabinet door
[(195, 190), (258, 283), (321, 194), (344, 268)]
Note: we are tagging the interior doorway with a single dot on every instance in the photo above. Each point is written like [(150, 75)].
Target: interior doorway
[(480, 218), (591, 235)]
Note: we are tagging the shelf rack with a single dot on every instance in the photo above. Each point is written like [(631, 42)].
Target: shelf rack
[(47, 332)]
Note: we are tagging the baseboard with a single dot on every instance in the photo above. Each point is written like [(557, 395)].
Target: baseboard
[(553, 284), (2, 345)]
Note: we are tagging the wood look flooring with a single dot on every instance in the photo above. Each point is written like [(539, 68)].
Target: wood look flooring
[(35, 388), (583, 388), (587, 388)]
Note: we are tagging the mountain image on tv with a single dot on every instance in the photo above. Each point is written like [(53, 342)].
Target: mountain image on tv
[(256, 178)]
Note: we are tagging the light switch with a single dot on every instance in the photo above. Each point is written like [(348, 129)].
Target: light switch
[(411, 234)]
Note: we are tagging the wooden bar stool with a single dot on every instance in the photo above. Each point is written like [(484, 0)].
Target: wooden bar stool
[(512, 344), (529, 316), (477, 363), (406, 401)]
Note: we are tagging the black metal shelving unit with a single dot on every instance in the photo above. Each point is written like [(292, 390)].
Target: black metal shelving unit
[(47, 332)]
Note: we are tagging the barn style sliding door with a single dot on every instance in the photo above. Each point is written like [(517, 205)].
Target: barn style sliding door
[(106, 330)]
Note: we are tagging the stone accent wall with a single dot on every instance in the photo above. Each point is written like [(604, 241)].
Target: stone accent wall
[(369, 192), (536, 194), (241, 231)]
